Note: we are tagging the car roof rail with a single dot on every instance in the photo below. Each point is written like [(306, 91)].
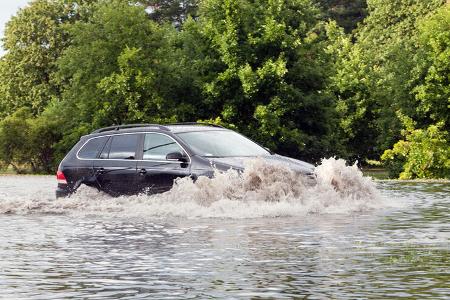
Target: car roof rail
[(195, 123), (128, 126)]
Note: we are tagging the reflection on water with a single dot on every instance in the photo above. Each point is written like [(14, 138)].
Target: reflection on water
[(398, 250)]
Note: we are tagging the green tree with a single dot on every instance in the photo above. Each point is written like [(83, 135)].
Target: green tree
[(34, 39), (45, 134), (122, 67), (433, 92), (14, 133), (269, 79), (28, 143), (376, 75), (117, 37), (424, 152), (273, 69)]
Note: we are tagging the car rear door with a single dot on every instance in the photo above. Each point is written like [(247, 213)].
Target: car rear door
[(156, 173), (115, 170), (82, 171)]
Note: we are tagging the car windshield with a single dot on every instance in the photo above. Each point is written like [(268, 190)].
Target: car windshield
[(221, 143)]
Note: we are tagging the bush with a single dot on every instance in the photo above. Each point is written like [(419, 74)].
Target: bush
[(423, 153), (27, 143), (14, 140)]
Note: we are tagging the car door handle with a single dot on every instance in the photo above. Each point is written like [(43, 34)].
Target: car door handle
[(143, 172), (100, 171)]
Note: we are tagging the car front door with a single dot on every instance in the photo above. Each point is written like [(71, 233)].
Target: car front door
[(115, 169), (156, 172)]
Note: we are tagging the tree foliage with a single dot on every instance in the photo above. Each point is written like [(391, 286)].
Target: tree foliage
[(29, 143), (433, 92), (34, 39), (377, 73), (271, 73), (423, 153), (117, 39), (308, 78)]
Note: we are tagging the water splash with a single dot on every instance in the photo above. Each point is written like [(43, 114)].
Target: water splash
[(262, 190)]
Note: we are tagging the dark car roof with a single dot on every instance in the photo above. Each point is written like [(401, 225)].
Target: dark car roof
[(174, 128)]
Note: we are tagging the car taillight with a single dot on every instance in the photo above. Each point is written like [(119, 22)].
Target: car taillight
[(60, 177)]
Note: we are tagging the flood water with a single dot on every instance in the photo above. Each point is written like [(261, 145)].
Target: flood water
[(310, 243)]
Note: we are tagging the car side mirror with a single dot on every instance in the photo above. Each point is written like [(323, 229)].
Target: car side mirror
[(176, 156)]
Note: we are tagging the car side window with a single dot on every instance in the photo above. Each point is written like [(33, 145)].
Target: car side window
[(105, 151), (157, 146), (122, 146), (91, 149)]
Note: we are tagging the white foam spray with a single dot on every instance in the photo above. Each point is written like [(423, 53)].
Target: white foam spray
[(262, 190)]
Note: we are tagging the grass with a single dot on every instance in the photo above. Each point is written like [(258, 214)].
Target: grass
[(7, 171), (375, 172), (10, 171)]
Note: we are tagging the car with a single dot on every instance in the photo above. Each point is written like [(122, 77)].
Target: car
[(136, 158)]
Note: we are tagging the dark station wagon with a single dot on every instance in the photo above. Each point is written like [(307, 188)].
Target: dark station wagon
[(147, 158)]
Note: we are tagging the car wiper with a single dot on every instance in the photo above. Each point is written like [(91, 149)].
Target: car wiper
[(158, 146)]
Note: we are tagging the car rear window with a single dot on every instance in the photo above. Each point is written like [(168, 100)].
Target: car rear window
[(91, 149), (123, 146)]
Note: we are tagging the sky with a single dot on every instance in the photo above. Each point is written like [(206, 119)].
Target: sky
[(8, 8)]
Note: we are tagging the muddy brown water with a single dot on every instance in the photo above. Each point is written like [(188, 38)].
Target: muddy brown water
[(222, 239)]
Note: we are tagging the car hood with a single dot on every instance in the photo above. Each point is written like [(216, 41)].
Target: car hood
[(296, 165)]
